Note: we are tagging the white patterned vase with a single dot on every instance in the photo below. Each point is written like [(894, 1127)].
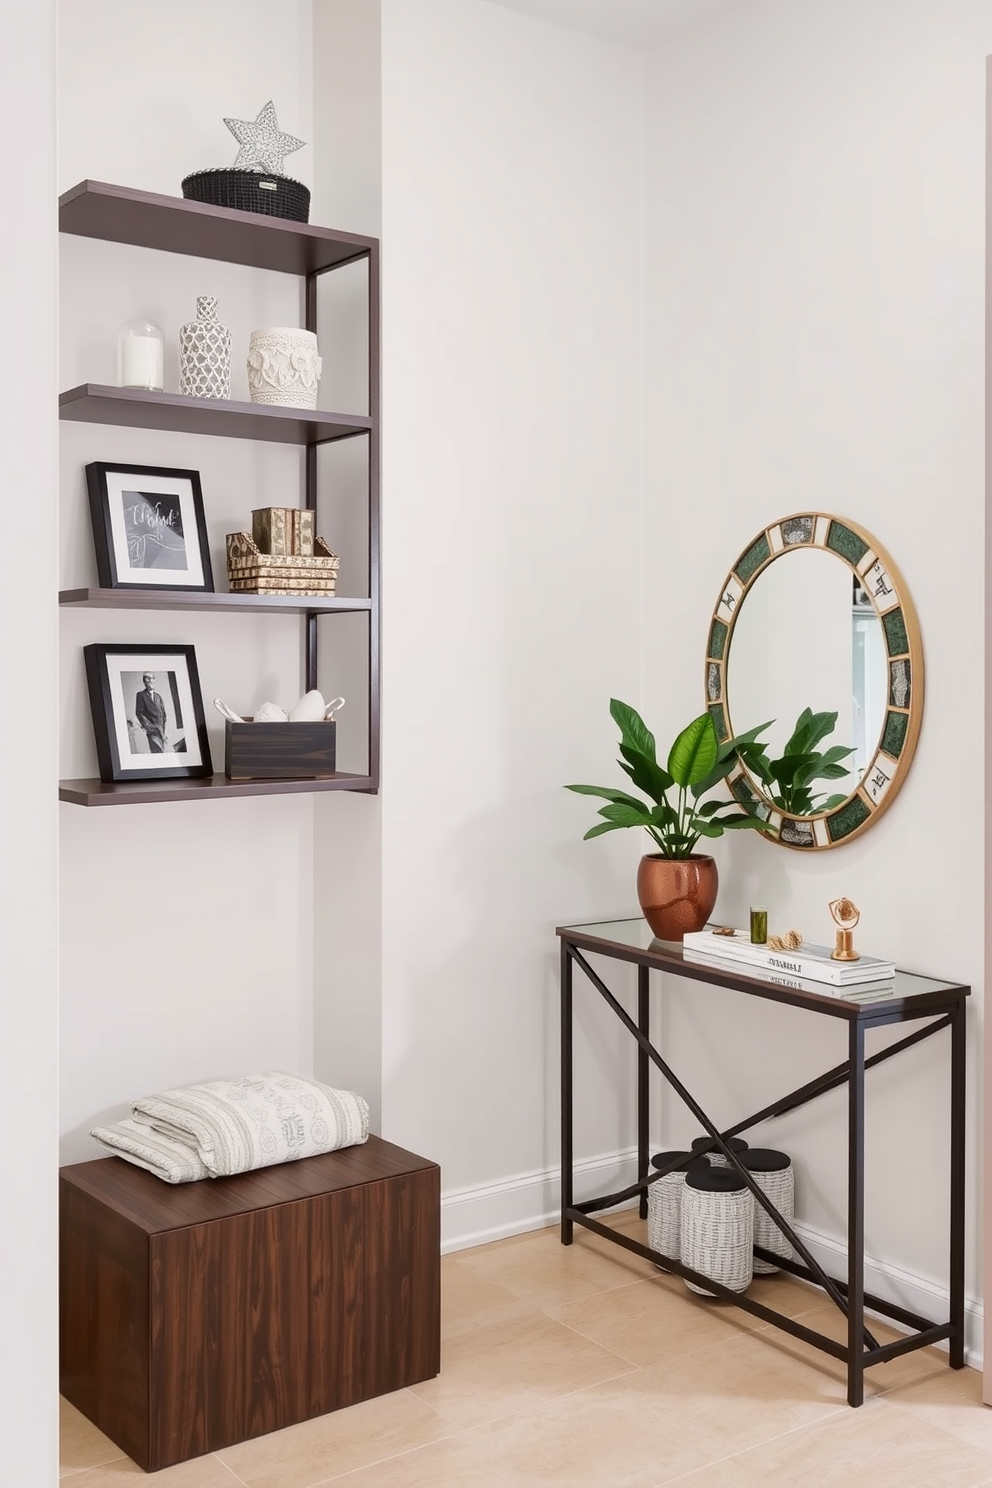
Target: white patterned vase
[(283, 367), (205, 353)]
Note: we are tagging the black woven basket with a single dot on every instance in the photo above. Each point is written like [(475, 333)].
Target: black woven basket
[(250, 191)]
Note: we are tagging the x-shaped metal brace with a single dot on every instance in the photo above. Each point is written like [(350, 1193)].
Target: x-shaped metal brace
[(720, 1141)]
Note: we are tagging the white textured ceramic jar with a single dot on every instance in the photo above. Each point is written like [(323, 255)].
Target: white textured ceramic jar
[(283, 367)]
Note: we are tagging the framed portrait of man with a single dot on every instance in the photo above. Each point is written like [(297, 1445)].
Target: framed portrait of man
[(147, 710)]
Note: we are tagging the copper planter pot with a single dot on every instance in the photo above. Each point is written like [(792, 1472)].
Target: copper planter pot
[(676, 895)]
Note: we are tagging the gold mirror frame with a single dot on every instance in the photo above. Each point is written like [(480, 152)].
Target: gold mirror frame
[(882, 581)]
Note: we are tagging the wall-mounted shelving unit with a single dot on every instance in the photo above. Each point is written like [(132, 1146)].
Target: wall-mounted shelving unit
[(95, 209)]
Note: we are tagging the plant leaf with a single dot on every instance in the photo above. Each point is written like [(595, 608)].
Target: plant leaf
[(735, 823), (788, 767), (634, 731), (740, 741), (719, 772), (694, 752), (835, 754), (707, 829), (810, 729), (626, 816), (600, 828), (645, 772), (608, 794), (665, 815), (832, 802)]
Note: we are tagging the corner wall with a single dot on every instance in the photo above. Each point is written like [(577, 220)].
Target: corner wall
[(511, 314), (29, 686), (815, 278)]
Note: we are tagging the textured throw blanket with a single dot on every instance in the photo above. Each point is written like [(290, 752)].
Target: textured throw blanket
[(232, 1126)]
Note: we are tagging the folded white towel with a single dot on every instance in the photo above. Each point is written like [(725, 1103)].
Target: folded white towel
[(233, 1126), (173, 1162)]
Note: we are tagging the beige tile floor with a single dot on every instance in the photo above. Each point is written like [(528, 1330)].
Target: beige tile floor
[(585, 1366)]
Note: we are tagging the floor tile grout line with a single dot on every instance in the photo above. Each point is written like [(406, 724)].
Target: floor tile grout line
[(74, 1472), (538, 1405), (224, 1465), (393, 1457)]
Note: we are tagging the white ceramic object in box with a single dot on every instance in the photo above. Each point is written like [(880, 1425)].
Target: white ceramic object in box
[(283, 367)]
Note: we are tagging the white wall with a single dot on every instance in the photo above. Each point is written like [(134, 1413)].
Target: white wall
[(511, 205), (814, 332), (28, 903), (186, 928)]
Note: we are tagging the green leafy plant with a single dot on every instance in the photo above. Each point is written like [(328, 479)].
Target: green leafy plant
[(788, 782), (674, 819)]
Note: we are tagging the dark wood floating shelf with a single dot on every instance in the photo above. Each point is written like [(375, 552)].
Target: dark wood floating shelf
[(211, 787), (165, 599), (117, 214), (92, 403)]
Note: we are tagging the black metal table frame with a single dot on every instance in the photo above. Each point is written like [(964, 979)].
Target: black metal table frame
[(862, 1350)]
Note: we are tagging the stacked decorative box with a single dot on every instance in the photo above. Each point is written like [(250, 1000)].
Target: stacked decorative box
[(281, 555)]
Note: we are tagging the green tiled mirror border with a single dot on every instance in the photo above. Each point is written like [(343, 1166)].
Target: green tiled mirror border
[(882, 581)]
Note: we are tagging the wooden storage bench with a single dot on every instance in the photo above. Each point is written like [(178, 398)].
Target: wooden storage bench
[(200, 1315)]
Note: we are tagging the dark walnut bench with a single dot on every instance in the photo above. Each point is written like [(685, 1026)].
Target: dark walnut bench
[(199, 1315)]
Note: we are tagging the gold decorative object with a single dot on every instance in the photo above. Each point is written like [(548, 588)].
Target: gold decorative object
[(845, 914), (252, 571), (724, 930), (790, 941)]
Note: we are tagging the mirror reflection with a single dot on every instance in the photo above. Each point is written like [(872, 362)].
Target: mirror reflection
[(808, 657)]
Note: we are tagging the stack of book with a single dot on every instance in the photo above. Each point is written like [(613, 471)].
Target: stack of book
[(810, 963)]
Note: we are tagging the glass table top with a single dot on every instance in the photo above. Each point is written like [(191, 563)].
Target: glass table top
[(637, 935)]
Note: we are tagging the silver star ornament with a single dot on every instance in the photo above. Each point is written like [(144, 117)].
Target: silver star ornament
[(262, 142)]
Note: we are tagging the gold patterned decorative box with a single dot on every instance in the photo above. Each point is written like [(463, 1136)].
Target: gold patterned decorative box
[(250, 571)]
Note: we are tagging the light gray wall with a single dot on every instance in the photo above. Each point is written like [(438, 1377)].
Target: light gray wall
[(29, 685), (512, 606), (815, 187)]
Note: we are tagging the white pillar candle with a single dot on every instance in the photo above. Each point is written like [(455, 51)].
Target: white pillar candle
[(140, 356), (141, 362)]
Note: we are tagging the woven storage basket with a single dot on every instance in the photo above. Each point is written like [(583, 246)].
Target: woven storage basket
[(665, 1205), (714, 1156), (717, 1229), (774, 1174), (250, 571), (250, 191)]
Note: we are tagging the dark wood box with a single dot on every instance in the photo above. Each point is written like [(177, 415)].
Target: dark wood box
[(196, 1316), (280, 751)]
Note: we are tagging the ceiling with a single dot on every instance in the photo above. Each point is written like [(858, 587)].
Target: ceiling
[(636, 23)]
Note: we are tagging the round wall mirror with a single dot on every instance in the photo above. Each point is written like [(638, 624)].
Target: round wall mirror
[(814, 662)]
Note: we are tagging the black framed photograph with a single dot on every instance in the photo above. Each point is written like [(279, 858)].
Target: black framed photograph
[(148, 527), (147, 712)]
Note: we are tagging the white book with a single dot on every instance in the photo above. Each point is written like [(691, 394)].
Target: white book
[(812, 962), (849, 992)]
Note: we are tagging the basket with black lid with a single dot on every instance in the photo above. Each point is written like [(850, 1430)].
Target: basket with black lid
[(717, 1227), (774, 1174), (256, 181)]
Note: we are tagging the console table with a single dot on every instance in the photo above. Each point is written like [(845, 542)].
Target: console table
[(911, 999)]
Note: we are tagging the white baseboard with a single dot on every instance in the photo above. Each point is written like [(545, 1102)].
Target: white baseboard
[(904, 1288), (531, 1201)]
